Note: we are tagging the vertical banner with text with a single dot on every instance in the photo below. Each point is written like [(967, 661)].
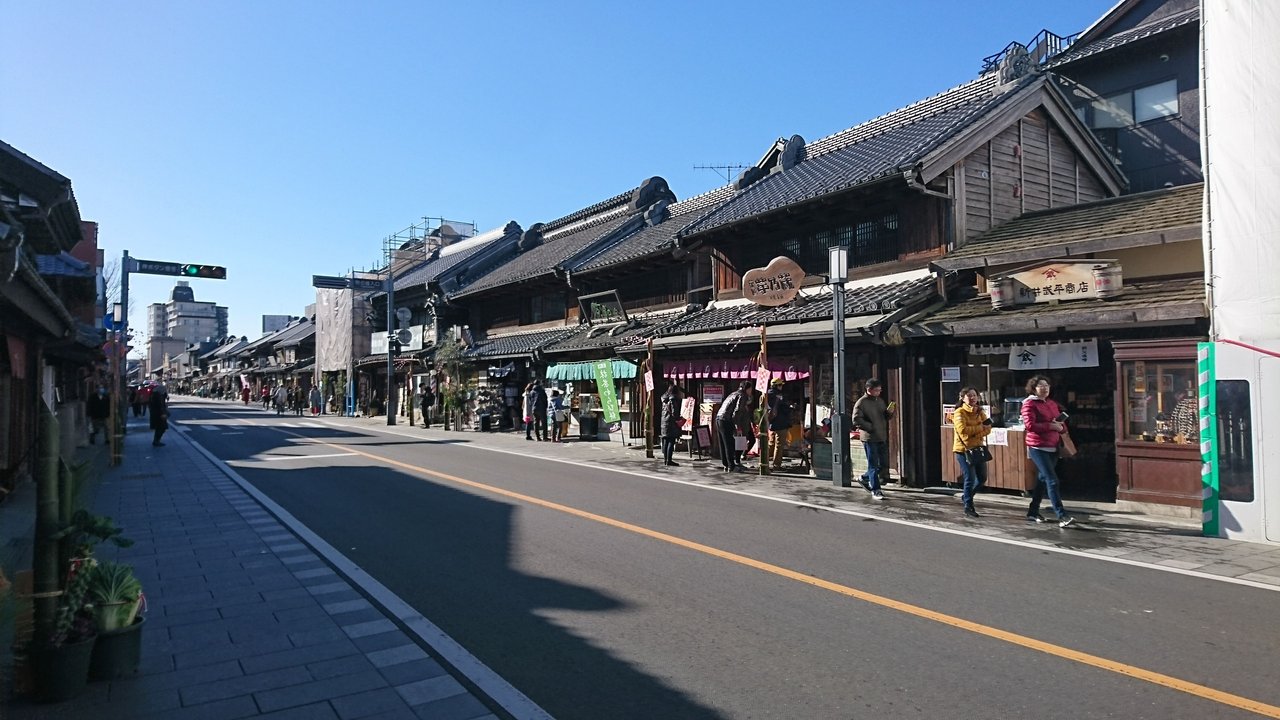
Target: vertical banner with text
[(608, 393)]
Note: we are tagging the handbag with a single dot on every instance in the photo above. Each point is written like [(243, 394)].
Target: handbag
[(740, 442), (980, 454), (1066, 446)]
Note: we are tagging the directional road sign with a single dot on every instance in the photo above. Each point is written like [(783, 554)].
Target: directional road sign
[(333, 282), (160, 267)]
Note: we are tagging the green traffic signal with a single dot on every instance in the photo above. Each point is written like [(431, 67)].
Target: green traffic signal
[(215, 272)]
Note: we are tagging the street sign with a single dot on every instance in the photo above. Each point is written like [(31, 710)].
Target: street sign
[(333, 282), (160, 267), (405, 336), (108, 322), (367, 284)]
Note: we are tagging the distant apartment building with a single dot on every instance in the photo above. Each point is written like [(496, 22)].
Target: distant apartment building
[(185, 319)]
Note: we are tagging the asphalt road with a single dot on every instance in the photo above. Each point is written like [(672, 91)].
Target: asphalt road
[(606, 595)]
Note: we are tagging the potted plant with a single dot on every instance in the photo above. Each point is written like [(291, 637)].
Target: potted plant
[(116, 595), (61, 660)]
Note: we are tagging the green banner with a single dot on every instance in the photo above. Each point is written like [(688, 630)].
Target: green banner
[(1210, 525), (608, 394)]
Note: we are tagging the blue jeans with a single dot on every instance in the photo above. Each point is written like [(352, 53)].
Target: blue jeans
[(1047, 481), (877, 463), (975, 476)]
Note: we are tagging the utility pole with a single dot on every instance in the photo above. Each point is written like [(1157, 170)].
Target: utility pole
[(391, 358)]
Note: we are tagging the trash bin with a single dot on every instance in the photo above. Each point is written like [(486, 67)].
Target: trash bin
[(486, 423)]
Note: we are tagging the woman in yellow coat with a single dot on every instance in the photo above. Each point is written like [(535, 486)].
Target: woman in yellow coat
[(972, 428)]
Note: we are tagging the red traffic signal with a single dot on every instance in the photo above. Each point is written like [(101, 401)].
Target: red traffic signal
[(213, 272)]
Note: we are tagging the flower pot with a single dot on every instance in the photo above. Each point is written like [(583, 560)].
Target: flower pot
[(111, 616), (117, 653), (61, 672)]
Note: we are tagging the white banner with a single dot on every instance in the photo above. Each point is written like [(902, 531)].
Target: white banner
[(1054, 356)]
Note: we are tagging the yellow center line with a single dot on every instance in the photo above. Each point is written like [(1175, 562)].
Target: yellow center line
[(1201, 691)]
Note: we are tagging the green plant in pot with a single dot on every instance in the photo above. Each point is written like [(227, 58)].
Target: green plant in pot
[(116, 595), (61, 660)]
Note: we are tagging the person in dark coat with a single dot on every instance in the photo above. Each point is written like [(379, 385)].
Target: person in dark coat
[(669, 425), (540, 411), (98, 408), (159, 406)]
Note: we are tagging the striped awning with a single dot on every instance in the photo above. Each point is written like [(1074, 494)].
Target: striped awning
[(622, 370)]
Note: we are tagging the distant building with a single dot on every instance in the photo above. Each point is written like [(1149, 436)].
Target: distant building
[(272, 323), (183, 318)]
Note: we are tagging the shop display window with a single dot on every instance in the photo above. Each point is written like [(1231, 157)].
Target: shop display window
[(1160, 402), (1235, 441)]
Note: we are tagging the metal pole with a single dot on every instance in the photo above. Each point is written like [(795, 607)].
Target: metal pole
[(123, 329), (762, 433), (391, 359), (840, 468)]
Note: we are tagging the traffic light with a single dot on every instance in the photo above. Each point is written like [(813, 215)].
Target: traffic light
[(213, 272)]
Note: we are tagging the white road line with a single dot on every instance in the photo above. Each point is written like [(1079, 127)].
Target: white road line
[(305, 457)]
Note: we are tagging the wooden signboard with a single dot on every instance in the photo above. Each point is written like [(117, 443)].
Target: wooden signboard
[(774, 284)]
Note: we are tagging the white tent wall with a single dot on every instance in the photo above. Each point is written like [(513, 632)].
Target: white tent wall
[(1241, 104)]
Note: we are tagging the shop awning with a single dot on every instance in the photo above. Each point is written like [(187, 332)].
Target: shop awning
[(815, 330), (735, 368), (622, 370)]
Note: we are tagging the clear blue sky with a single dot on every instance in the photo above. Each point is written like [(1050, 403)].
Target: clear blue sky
[(288, 138)]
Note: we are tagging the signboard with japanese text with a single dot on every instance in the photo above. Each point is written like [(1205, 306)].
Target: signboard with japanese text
[(605, 388), (1060, 280), (774, 284), (712, 392)]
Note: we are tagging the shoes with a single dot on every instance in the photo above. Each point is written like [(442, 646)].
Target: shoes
[(1065, 521), (157, 444), (1035, 518), (877, 495), (970, 512), (672, 463), (865, 483), (529, 439)]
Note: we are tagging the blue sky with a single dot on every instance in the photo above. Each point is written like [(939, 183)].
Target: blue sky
[(284, 139)]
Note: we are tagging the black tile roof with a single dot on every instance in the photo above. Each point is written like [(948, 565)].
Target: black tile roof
[(888, 145), (438, 266), (63, 264), (860, 301), (518, 344), (542, 259), (650, 240), (1165, 24), (970, 313), (1085, 228), (595, 337)]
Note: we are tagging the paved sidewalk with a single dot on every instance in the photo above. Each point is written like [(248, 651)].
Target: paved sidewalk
[(1103, 530), (244, 619)]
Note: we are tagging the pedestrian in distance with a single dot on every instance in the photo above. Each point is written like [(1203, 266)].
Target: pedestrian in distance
[(244, 394), (265, 396), (298, 399), (316, 399), (779, 422), (559, 416), (1045, 424), (144, 396), (98, 408), (281, 399), (529, 401), (540, 411), (670, 423), (135, 400), (728, 421), (426, 399), (871, 420), (158, 402), (972, 427)]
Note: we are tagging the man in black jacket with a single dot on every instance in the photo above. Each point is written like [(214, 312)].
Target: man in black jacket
[(539, 411), (871, 418)]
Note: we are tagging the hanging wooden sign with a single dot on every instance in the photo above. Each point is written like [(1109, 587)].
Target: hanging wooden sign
[(774, 284)]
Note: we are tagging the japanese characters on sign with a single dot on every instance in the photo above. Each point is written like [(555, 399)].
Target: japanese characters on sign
[(775, 284), (602, 307), (1063, 280)]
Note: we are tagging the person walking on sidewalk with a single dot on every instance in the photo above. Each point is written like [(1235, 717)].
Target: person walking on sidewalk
[(159, 405), (972, 428), (316, 399), (669, 424), (425, 400), (98, 408), (779, 422), (281, 398), (539, 411), (1045, 424), (737, 404), (530, 398), (559, 415), (871, 419)]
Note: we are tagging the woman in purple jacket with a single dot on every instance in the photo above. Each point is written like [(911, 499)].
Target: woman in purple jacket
[(1045, 423)]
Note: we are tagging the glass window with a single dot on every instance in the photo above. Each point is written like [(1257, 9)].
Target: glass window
[(1155, 101), (1114, 111), (1161, 402), (1235, 441)]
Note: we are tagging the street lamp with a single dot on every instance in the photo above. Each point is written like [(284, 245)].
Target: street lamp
[(840, 425)]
